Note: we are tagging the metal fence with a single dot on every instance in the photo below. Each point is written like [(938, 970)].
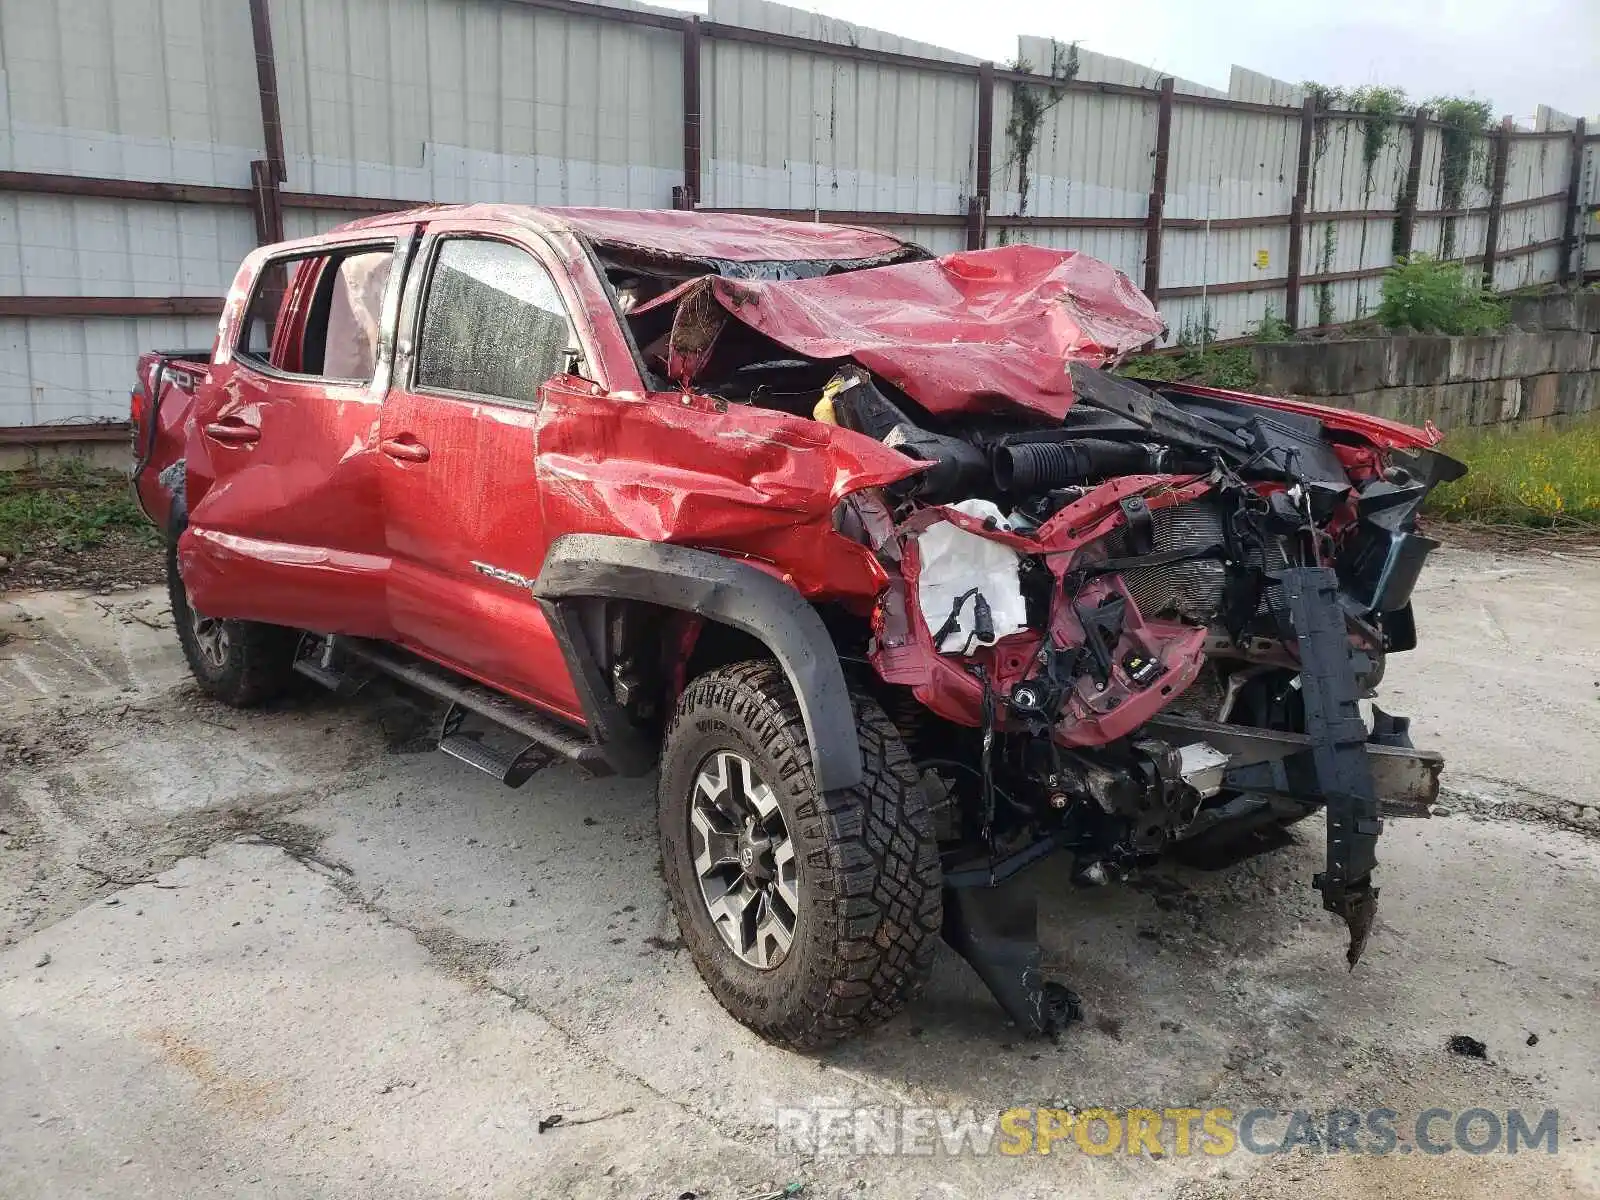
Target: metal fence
[(146, 145)]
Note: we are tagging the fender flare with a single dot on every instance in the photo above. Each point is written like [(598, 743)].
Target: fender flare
[(587, 565)]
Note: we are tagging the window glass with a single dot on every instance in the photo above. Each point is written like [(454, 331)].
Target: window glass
[(355, 315), (493, 324), (261, 318), (336, 316)]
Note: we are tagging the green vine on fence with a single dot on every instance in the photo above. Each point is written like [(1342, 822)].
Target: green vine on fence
[(1465, 149), (1029, 104), (1330, 243), (1379, 108)]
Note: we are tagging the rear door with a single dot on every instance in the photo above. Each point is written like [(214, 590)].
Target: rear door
[(285, 518), (486, 334)]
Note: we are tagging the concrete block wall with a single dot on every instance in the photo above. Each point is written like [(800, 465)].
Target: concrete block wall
[(1544, 369)]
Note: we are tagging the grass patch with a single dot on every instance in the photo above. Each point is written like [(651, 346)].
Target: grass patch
[(67, 506), (1230, 367), (1537, 477)]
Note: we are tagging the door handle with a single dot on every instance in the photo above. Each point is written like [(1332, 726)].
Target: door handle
[(404, 449), (233, 431)]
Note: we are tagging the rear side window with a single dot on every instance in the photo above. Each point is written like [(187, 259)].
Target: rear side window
[(493, 323), (330, 327)]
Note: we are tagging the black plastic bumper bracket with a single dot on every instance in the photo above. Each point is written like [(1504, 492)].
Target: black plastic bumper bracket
[(1330, 692), (996, 929)]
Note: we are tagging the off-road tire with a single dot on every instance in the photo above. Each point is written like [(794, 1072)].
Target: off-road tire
[(259, 660), (869, 875)]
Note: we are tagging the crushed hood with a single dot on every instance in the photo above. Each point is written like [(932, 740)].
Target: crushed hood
[(976, 332)]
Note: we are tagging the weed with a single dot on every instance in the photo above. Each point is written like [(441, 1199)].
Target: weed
[(1230, 367), (68, 506), (1272, 328), (1524, 476), (1430, 296)]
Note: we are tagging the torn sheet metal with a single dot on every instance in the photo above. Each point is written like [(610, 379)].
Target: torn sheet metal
[(728, 237), (986, 331)]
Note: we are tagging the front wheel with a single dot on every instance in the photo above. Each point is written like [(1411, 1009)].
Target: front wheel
[(240, 663), (810, 915)]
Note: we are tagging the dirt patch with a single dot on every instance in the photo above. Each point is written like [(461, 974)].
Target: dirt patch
[(1577, 539), (118, 565), (67, 525)]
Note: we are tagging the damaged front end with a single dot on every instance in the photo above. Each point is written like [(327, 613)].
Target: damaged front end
[(1162, 656), (1117, 621)]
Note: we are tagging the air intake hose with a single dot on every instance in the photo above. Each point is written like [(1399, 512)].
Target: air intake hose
[(1027, 467)]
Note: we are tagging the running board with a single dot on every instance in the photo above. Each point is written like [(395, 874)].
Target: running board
[(512, 769), (539, 734)]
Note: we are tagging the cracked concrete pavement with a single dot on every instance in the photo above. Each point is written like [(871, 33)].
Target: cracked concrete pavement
[(283, 953)]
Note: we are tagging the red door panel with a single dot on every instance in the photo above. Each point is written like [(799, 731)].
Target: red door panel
[(464, 533), (285, 516), (483, 324)]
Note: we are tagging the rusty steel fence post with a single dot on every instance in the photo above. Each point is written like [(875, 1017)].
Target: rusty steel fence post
[(1297, 213), (267, 175), (1406, 233), (1497, 199), (1158, 193), (691, 115), (978, 206), (1571, 225)]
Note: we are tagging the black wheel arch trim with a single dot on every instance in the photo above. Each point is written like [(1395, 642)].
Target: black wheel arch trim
[(586, 565)]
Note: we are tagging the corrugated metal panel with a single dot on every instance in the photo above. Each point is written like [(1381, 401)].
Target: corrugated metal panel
[(798, 22), (1226, 165), (791, 129), (1547, 118), (136, 89), (1336, 303), (1256, 88), (1233, 315), (457, 100), (1049, 56), (77, 246), (309, 222), (937, 239), (1468, 234), (1537, 167), (56, 370), (1348, 171), (1525, 270), (1190, 258), (1121, 248), (1089, 155)]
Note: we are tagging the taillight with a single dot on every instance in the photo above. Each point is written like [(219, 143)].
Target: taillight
[(138, 406)]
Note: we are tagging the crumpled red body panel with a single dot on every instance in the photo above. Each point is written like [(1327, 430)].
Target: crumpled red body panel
[(735, 237), (691, 471), (983, 331)]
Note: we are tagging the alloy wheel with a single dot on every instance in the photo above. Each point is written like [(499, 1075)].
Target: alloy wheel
[(745, 859)]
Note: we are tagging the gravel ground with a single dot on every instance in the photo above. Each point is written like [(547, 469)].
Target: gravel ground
[(285, 953)]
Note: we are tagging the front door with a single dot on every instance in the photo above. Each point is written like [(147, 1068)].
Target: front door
[(285, 522), (485, 333)]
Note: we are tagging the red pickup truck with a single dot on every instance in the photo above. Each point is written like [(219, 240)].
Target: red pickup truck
[(861, 550)]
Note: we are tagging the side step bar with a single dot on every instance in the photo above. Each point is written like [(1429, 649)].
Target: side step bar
[(541, 734)]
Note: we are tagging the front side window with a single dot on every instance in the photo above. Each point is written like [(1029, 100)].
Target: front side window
[(493, 323), (330, 324)]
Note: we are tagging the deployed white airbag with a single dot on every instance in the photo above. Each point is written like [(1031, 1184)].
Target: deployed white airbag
[(957, 568)]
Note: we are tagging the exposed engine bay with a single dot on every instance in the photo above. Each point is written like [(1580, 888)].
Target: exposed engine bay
[(1117, 620)]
